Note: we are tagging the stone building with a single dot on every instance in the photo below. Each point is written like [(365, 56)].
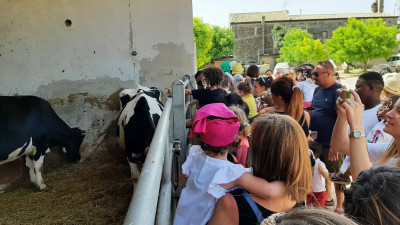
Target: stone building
[(254, 40)]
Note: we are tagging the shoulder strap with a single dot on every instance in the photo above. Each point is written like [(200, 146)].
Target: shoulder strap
[(253, 206), (303, 118)]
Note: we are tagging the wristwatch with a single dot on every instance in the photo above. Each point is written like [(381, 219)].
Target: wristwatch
[(356, 134)]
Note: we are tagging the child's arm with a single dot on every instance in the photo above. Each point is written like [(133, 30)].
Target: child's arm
[(324, 174), (183, 179), (258, 186), (187, 91)]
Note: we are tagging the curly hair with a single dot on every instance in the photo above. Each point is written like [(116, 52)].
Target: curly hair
[(252, 71), (214, 75), (375, 197), (221, 150)]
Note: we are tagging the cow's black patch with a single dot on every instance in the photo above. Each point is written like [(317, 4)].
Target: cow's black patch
[(139, 130), (25, 117)]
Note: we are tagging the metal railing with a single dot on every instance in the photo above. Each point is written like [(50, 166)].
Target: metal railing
[(155, 196), (143, 206)]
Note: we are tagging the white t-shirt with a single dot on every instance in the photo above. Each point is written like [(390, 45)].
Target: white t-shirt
[(377, 135), (370, 119), (376, 151), (318, 181), (205, 174), (307, 87)]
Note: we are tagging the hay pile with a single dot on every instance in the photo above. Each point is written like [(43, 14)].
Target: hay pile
[(86, 193)]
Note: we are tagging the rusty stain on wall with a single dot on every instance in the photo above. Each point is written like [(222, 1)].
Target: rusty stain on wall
[(72, 97), (113, 101), (56, 101)]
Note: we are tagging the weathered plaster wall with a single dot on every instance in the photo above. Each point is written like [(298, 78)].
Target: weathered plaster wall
[(81, 68)]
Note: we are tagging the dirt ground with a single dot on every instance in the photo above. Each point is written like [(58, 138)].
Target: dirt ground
[(83, 193), (350, 79)]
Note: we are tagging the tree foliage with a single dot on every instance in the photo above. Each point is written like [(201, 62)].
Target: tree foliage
[(212, 43), (278, 33), (223, 43), (203, 38), (362, 40), (298, 46)]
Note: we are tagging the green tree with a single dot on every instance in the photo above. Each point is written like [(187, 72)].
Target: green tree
[(223, 43), (298, 46), (278, 33), (203, 38), (362, 40)]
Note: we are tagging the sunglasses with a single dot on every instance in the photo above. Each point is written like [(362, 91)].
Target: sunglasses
[(316, 74), (199, 83)]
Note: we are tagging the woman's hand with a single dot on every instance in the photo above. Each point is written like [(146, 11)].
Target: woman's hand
[(354, 109), (339, 103), (266, 110)]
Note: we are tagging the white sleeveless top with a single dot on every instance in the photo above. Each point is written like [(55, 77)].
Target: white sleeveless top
[(205, 174)]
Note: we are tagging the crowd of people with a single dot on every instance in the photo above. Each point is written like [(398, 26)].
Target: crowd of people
[(267, 148)]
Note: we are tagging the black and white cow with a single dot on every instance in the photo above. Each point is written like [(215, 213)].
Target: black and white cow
[(30, 127), (141, 110)]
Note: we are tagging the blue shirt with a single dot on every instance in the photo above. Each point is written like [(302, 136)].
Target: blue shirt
[(323, 116)]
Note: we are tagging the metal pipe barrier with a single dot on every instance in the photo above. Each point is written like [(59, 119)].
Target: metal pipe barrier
[(143, 206), (164, 200), (163, 158)]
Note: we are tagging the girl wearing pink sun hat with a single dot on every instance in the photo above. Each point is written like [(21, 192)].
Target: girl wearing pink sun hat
[(206, 173)]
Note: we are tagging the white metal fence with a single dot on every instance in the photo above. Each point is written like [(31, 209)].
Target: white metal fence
[(157, 191)]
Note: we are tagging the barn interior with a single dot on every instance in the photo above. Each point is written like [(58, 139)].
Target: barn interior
[(78, 55)]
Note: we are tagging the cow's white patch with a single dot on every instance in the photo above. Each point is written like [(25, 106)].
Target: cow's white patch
[(135, 171), (29, 164), (35, 171), (38, 166), (30, 150), (129, 111), (64, 150)]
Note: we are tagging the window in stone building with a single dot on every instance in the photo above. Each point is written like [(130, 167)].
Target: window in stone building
[(390, 22), (340, 23), (324, 34)]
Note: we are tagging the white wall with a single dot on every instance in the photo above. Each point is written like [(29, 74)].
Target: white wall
[(81, 68)]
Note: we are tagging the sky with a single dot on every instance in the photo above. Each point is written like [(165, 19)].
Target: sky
[(216, 12)]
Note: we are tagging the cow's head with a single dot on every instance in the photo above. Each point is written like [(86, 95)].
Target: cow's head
[(73, 146), (127, 95)]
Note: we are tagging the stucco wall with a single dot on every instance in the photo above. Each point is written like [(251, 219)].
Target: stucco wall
[(81, 68)]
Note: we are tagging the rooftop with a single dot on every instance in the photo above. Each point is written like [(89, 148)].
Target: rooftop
[(284, 16)]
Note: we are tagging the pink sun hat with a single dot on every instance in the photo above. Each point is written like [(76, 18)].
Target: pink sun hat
[(215, 132)]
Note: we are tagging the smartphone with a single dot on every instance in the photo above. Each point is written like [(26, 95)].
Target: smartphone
[(313, 134), (345, 94)]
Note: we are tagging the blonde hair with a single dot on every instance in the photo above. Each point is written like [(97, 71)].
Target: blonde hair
[(279, 152), (391, 152), (245, 127)]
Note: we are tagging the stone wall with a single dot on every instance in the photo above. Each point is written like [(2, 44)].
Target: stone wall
[(248, 36)]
